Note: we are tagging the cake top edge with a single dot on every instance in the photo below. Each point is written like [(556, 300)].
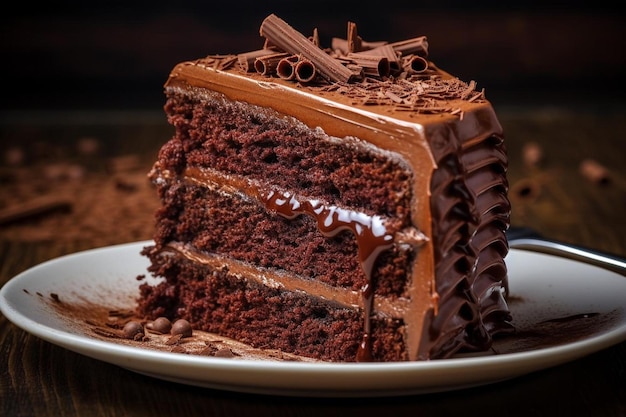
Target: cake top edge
[(397, 76)]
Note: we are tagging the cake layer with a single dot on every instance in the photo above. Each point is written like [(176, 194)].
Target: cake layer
[(232, 227), (264, 316), (262, 145)]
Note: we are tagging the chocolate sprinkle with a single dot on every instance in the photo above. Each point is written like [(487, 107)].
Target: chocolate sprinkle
[(132, 330), (182, 327), (161, 325)]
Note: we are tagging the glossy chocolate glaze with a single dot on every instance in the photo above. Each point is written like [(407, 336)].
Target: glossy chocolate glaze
[(456, 297)]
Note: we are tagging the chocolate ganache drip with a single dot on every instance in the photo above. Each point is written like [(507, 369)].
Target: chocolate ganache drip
[(372, 237)]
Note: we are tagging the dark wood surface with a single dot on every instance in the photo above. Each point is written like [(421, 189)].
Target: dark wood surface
[(92, 165)]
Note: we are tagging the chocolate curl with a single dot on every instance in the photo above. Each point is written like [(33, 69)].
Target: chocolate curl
[(315, 38), (341, 45), (357, 70), (394, 97), (595, 172), (286, 67), (415, 64), (354, 41), (395, 63), (417, 46), (375, 65), (305, 71), (279, 33), (246, 60), (220, 62), (266, 65)]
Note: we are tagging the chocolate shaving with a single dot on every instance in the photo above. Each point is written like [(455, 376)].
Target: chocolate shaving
[(174, 340), (393, 57), (208, 351), (357, 70), (394, 97), (376, 65), (224, 353), (340, 45), (315, 38), (220, 62), (369, 73), (178, 349), (354, 41), (417, 46)]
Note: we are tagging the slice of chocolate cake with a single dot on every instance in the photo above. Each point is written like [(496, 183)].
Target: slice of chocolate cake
[(346, 204)]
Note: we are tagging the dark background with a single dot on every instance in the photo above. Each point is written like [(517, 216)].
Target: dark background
[(117, 55)]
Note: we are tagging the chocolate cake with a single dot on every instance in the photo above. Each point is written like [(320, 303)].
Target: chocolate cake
[(345, 203)]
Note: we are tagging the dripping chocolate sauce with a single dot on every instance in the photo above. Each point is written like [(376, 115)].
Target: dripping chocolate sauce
[(371, 235)]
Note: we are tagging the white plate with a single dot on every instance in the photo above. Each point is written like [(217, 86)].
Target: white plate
[(588, 299)]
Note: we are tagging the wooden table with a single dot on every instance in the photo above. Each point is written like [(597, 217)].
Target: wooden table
[(76, 158)]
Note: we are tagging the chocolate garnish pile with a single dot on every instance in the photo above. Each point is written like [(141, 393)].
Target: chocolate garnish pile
[(370, 73)]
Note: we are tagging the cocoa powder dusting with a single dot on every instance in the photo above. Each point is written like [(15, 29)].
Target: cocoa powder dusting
[(123, 327)]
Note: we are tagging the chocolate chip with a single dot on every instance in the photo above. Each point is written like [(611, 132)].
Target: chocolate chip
[(160, 325), (182, 327), (132, 329)]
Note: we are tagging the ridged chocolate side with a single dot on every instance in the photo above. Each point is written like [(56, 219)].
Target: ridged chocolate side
[(470, 213)]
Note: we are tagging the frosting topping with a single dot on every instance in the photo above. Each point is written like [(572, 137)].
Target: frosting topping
[(368, 73)]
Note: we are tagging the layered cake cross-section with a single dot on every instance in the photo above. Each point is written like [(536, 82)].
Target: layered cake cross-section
[(346, 203)]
